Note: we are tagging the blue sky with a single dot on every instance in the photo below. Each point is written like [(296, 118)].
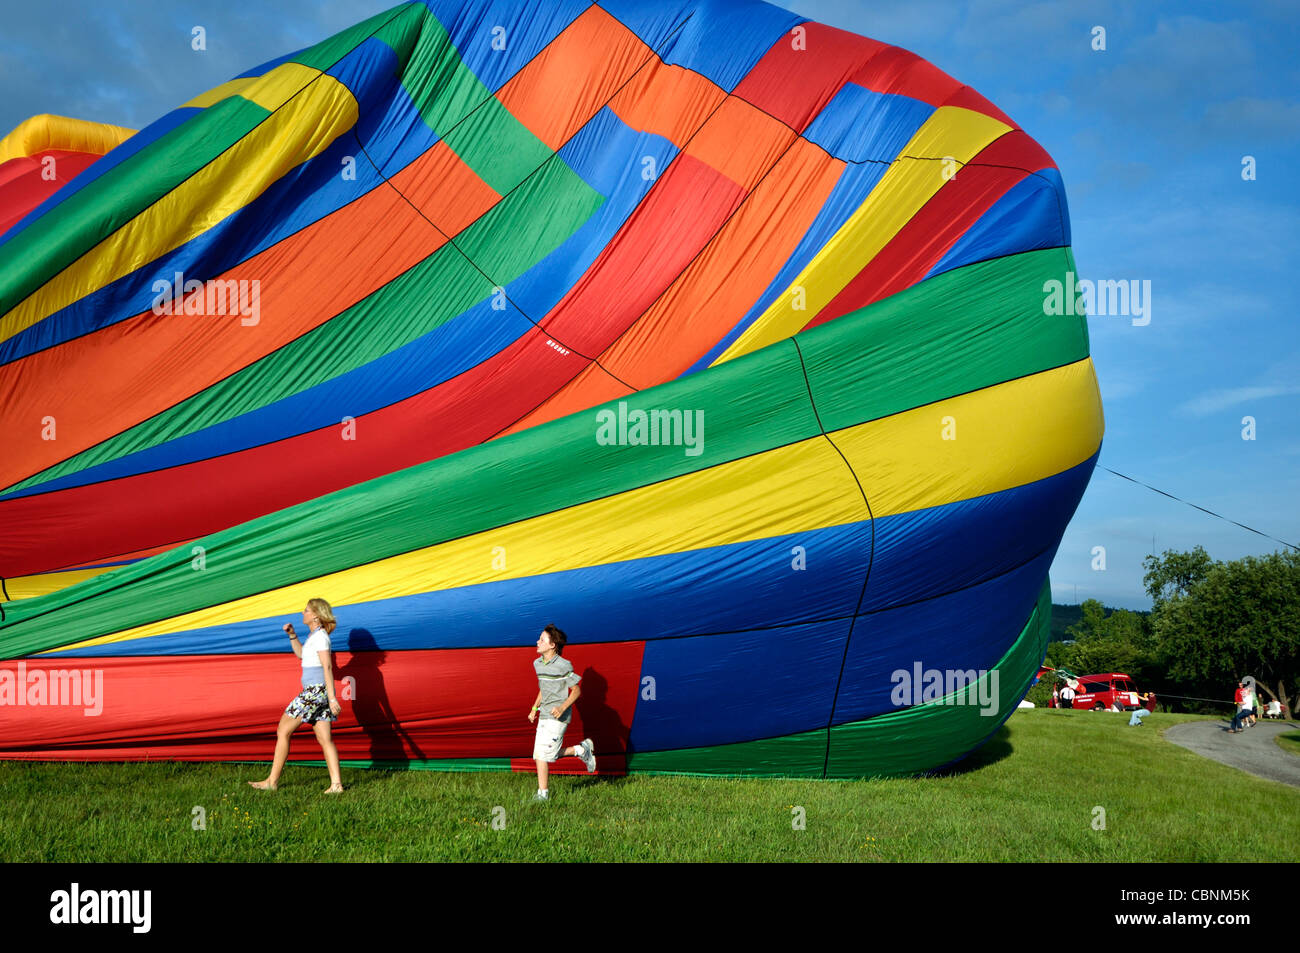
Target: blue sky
[(1149, 135)]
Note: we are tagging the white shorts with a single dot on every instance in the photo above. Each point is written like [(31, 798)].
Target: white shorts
[(550, 739)]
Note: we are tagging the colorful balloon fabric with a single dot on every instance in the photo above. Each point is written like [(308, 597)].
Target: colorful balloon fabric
[(43, 153), (713, 335)]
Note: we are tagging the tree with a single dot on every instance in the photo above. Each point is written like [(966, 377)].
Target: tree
[(1215, 623), (1172, 574), (1092, 621), (1116, 642)]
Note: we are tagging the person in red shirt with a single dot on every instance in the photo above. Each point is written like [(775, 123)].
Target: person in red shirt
[(1239, 700)]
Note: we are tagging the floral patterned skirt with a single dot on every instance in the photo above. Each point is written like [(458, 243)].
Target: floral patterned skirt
[(312, 704)]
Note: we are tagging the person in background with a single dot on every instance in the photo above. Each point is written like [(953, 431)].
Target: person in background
[(1056, 697), (1274, 709), (1239, 700)]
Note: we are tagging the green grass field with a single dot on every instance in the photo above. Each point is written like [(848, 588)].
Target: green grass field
[(1290, 741), (1030, 794)]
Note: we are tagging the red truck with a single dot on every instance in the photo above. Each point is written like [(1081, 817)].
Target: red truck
[(1100, 692)]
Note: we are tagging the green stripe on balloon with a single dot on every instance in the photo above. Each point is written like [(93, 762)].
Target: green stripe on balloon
[(388, 26)]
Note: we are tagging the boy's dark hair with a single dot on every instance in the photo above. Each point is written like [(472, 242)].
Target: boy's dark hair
[(558, 638)]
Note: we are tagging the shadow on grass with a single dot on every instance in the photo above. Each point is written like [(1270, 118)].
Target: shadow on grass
[(580, 782), (991, 752)]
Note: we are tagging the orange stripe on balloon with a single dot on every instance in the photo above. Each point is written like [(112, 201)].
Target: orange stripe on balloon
[(568, 82), (668, 101), (446, 190), (741, 142)]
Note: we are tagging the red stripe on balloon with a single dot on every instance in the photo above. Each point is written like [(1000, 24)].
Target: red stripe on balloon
[(424, 704)]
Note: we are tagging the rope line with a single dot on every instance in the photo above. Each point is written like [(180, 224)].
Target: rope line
[(1201, 508)]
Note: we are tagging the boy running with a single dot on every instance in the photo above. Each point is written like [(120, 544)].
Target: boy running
[(555, 679)]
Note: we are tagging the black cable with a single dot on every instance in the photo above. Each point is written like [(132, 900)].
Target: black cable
[(1201, 508)]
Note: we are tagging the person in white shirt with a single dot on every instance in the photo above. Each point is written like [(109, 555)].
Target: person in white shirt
[(316, 703)]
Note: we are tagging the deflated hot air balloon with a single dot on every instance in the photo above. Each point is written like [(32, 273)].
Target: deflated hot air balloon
[(713, 335)]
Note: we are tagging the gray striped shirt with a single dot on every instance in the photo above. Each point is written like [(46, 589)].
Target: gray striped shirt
[(555, 678)]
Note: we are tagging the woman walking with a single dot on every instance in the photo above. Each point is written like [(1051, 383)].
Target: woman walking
[(316, 703)]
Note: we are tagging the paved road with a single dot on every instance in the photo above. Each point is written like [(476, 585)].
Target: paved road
[(1254, 750)]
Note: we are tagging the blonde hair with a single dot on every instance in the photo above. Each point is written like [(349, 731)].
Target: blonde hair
[(324, 614)]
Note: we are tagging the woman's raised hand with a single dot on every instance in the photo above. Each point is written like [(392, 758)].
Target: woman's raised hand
[(288, 629)]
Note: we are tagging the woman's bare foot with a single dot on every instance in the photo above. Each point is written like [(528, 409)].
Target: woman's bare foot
[(334, 789), (262, 785)]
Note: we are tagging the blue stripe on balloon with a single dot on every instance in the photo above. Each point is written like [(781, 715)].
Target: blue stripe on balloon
[(723, 40), (861, 125), (918, 556), (963, 630), (744, 686), (658, 597), (931, 550), (1031, 215), (737, 686), (959, 579)]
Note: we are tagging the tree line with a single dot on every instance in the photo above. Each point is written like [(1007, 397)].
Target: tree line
[(1211, 624)]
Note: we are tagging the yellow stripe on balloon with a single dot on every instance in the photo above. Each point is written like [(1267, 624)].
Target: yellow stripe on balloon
[(951, 133), (270, 90), (979, 443), (310, 110), (1007, 435), (217, 93), (43, 583)]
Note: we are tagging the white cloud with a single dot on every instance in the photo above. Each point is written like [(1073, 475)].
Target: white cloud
[(1216, 400)]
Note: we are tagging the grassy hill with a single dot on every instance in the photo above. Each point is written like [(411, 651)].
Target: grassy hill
[(1033, 793)]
